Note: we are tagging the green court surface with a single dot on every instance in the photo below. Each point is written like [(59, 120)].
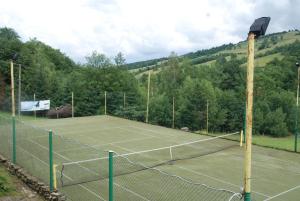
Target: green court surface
[(216, 163)]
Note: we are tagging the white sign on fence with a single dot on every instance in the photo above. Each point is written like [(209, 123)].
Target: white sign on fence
[(35, 105)]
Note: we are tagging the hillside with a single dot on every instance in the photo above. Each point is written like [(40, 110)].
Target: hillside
[(206, 88), (266, 49)]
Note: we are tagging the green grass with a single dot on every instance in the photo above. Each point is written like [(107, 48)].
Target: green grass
[(284, 143), (7, 183)]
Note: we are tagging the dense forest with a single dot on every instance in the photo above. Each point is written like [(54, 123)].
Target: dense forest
[(194, 83)]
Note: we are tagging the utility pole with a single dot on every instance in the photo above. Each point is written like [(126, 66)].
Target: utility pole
[(173, 119), (34, 108), (19, 92), (257, 28), (72, 104), (297, 109), (207, 117), (147, 111)]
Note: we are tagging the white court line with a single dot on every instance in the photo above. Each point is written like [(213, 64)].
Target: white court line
[(93, 193), (152, 131), (86, 130), (128, 190), (284, 192), (128, 129), (111, 143), (220, 180), (66, 158)]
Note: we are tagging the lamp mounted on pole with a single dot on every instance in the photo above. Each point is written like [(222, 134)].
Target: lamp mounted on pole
[(258, 28)]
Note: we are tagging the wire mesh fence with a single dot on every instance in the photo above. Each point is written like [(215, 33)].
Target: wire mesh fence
[(136, 175)]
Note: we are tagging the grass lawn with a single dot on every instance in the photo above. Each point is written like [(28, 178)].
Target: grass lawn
[(7, 183), (285, 143)]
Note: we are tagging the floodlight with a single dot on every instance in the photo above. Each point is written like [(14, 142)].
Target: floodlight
[(15, 56), (260, 26), (297, 64)]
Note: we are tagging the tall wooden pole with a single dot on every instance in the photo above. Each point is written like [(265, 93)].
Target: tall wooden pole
[(19, 92), (173, 119), (13, 108), (147, 111), (34, 108), (297, 110), (124, 100), (249, 104), (105, 102), (72, 104), (207, 116), (13, 112)]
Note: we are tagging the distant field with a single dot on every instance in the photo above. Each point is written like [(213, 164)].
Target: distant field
[(241, 50)]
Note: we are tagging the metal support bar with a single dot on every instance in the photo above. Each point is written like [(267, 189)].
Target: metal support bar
[(111, 175)]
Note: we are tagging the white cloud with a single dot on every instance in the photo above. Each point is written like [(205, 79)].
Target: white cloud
[(141, 29)]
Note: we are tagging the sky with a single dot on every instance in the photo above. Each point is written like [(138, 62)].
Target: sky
[(142, 29)]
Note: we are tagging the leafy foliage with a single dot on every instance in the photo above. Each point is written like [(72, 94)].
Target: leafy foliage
[(217, 90)]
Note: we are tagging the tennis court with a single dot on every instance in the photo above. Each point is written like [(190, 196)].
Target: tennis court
[(153, 162)]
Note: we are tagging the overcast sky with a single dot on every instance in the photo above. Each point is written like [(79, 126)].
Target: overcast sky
[(142, 29)]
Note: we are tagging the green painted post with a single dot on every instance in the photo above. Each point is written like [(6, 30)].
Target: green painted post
[(51, 161), (247, 197), (14, 159), (111, 175), (296, 130), (244, 124)]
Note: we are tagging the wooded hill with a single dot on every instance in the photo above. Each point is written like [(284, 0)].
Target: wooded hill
[(215, 76)]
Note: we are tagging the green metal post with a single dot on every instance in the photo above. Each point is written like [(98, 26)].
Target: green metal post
[(296, 130), (247, 197), (14, 156), (111, 175), (51, 161)]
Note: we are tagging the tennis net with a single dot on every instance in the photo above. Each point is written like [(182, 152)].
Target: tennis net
[(80, 172)]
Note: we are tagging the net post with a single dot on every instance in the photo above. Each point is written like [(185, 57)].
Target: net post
[(111, 175), (171, 154), (54, 177), (51, 161), (105, 102), (241, 138)]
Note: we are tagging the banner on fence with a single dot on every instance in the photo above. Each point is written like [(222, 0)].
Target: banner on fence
[(35, 105)]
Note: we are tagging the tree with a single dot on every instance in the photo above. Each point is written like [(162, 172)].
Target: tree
[(8, 34), (98, 60), (120, 59)]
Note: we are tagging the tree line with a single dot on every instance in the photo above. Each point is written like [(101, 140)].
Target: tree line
[(220, 87)]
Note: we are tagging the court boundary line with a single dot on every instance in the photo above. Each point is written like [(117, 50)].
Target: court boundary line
[(282, 193), (217, 179)]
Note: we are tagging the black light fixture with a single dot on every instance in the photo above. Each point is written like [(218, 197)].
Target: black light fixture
[(297, 64), (15, 56), (260, 26)]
